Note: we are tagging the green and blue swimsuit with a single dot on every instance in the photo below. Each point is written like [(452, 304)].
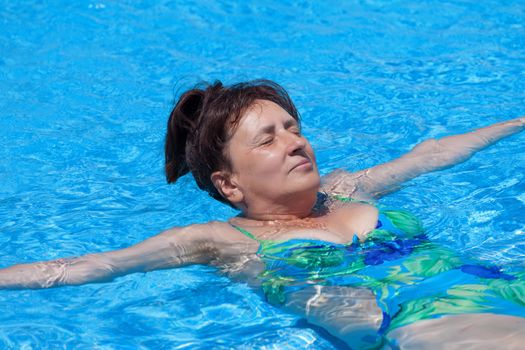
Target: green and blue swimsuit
[(413, 279)]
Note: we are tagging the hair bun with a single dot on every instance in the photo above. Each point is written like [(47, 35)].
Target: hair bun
[(181, 123)]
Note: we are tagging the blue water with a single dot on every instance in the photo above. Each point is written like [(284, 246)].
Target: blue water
[(86, 90)]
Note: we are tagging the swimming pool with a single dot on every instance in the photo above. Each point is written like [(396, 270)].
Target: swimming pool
[(86, 92)]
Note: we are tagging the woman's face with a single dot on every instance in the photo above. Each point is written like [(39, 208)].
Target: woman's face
[(272, 162)]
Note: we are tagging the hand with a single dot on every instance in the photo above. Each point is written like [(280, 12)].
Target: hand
[(517, 122), (511, 126)]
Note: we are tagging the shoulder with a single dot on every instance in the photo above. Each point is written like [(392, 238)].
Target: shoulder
[(340, 182), (205, 231), (218, 236)]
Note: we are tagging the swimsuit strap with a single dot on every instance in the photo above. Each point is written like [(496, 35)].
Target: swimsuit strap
[(244, 232), (349, 199), (343, 198)]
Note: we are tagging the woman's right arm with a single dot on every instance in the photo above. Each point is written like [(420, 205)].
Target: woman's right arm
[(172, 248), (428, 156)]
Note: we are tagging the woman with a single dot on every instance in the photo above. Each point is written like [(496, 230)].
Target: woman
[(243, 145)]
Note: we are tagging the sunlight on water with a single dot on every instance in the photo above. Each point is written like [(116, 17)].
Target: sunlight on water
[(87, 88)]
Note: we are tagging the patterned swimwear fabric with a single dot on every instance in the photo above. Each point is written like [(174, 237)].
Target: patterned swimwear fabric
[(412, 277)]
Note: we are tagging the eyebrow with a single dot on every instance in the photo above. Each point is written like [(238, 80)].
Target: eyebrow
[(290, 122), (270, 129)]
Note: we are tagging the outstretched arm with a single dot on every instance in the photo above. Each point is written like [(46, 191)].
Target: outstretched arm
[(175, 247), (430, 155)]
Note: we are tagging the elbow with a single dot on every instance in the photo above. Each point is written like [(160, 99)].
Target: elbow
[(87, 269), (75, 271), (441, 154), (450, 153), (429, 146), (53, 274)]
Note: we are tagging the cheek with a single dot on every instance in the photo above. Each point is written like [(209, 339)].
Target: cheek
[(266, 163), (261, 165)]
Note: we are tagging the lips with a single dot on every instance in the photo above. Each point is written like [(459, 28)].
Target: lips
[(300, 163)]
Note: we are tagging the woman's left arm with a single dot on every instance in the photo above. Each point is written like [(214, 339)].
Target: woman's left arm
[(430, 155), (176, 247)]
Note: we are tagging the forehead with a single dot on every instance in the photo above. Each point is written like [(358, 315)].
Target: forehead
[(262, 113)]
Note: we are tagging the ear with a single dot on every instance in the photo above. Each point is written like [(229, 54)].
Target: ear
[(225, 183)]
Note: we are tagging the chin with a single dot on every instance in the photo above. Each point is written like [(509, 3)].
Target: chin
[(309, 186)]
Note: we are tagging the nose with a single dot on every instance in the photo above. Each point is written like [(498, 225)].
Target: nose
[(296, 143)]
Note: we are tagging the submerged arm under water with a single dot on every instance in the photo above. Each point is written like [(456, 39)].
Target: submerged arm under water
[(172, 248), (428, 156)]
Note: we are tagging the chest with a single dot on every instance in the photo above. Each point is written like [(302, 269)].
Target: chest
[(338, 226)]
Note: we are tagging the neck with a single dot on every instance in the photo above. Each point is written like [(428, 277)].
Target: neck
[(292, 209), (276, 216)]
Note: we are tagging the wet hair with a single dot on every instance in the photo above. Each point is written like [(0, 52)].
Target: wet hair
[(202, 122)]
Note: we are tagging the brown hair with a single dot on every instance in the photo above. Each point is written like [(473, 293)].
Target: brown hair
[(202, 122)]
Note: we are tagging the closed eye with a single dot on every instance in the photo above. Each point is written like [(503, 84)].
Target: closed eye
[(295, 130), (266, 141)]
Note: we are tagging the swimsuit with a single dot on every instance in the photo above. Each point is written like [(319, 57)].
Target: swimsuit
[(413, 278)]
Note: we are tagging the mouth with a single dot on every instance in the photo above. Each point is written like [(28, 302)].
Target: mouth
[(303, 164)]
